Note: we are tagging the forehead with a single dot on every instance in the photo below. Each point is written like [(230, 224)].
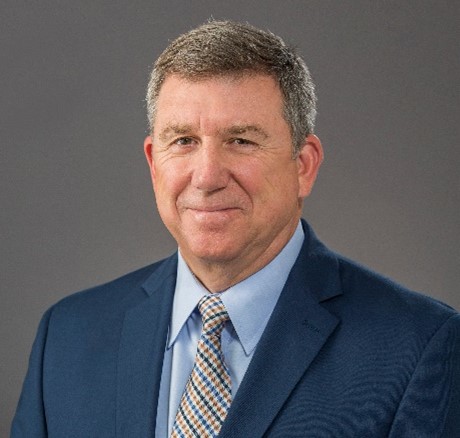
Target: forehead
[(237, 100)]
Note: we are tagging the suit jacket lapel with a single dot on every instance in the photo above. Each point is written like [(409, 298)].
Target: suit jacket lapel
[(141, 352), (296, 332)]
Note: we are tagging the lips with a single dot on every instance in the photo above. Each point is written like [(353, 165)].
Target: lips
[(210, 206), (213, 216), (212, 209)]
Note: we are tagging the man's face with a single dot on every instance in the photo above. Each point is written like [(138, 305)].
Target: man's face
[(225, 182)]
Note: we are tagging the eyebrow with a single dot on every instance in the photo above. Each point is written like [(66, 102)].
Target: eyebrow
[(174, 129), (242, 129)]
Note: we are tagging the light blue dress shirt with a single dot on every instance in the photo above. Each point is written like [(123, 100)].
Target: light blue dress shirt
[(249, 304)]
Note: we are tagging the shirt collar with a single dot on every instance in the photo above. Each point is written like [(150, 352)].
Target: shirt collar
[(249, 303)]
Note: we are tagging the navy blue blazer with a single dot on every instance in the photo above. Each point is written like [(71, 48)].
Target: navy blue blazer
[(346, 353)]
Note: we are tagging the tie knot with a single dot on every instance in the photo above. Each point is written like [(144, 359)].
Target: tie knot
[(213, 314)]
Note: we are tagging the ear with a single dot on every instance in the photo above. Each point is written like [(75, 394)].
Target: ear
[(308, 162), (148, 151)]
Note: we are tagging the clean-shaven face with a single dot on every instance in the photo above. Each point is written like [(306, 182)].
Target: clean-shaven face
[(225, 182)]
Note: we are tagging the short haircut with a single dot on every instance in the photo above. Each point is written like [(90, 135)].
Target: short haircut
[(226, 48)]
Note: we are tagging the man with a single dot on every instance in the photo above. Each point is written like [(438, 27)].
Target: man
[(254, 328)]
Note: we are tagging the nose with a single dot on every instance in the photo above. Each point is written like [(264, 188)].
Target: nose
[(210, 170)]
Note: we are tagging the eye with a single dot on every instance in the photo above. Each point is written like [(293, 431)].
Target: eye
[(183, 141), (181, 145), (242, 142)]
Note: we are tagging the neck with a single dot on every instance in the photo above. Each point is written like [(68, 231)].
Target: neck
[(219, 275)]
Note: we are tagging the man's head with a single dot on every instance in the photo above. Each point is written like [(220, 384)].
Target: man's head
[(224, 48), (227, 184)]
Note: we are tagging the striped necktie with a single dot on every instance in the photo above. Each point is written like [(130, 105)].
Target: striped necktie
[(207, 396)]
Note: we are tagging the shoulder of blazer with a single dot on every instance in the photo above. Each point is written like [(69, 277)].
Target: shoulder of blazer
[(121, 293), (352, 291)]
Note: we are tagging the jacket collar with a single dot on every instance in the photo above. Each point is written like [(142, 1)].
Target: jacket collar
[(141, 352), (297, 330)]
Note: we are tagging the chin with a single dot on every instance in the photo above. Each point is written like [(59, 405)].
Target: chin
[(211, 251)]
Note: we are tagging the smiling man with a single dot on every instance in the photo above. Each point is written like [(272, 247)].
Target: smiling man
[(226, 183), (253, 328)]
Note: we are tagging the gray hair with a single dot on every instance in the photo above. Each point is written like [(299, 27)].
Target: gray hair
[(226, 48)]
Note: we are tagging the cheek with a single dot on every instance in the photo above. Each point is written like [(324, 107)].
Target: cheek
[(164, 191), (168, 184), (280, 183)]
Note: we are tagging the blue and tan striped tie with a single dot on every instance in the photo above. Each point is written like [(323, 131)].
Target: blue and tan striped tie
[(207, 396)]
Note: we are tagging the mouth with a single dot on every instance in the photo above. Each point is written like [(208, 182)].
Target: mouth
[(211, 209), (208, 214)]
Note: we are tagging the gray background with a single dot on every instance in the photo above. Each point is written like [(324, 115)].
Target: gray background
[(76, 203)]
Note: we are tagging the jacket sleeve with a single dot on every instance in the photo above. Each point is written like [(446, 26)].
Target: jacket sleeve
[(430, 407), (29, 420)]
